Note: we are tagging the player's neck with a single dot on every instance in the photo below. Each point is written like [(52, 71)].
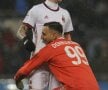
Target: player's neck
[(51, 4)]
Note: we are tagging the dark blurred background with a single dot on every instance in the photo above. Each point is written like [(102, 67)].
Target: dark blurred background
[(90, 22)]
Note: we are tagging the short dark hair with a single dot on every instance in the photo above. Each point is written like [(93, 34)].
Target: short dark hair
[(55, 26)]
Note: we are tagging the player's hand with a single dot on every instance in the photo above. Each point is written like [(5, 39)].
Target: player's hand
[(20, 85), (18, 77), (22, 32)]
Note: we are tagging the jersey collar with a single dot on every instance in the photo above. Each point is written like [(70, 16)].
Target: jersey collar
[(51, 6)]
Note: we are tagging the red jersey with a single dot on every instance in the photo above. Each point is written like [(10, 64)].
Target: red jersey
[(68, 63)]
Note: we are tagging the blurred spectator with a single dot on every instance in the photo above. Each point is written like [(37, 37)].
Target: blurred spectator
[(1, 53), (12, 55), (1, 63), (7, 4), (31, 3), (99, 55), (10, 52), (21, 6), (79, 36), (93, 48)]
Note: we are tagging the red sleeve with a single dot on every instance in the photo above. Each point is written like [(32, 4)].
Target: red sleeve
[(43, 56)]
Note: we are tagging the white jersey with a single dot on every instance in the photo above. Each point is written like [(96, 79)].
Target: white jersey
[(41, 14), (36, 17)]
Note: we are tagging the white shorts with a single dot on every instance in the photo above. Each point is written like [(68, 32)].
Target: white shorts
[(43, 79)]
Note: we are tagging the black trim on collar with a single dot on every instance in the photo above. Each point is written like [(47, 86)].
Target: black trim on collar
[(50, 8)]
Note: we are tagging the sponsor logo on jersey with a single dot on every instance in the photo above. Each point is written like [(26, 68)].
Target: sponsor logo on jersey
[(63, 19), (46, 17)]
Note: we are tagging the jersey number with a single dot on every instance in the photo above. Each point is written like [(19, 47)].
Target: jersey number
[(76, 52)]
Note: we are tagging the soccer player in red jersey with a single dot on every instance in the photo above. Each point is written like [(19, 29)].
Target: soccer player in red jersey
[(66, 60)]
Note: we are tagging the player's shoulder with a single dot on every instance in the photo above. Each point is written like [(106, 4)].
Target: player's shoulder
[(63, 9)]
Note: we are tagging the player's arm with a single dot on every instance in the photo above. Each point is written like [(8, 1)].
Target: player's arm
[(26, 35), (32, 64), (37, 60), (19, 82), (21, 33), (20, 75), (68, 27), (25, 70)]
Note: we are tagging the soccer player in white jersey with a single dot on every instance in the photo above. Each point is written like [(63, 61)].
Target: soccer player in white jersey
[(38, 15)]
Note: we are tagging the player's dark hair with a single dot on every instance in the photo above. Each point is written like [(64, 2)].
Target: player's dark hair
[(55, 26)]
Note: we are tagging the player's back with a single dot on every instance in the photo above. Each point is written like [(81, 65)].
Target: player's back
[(70, 65)]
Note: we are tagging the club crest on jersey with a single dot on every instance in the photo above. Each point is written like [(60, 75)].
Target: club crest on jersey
[(63, 19), (46, 17)]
